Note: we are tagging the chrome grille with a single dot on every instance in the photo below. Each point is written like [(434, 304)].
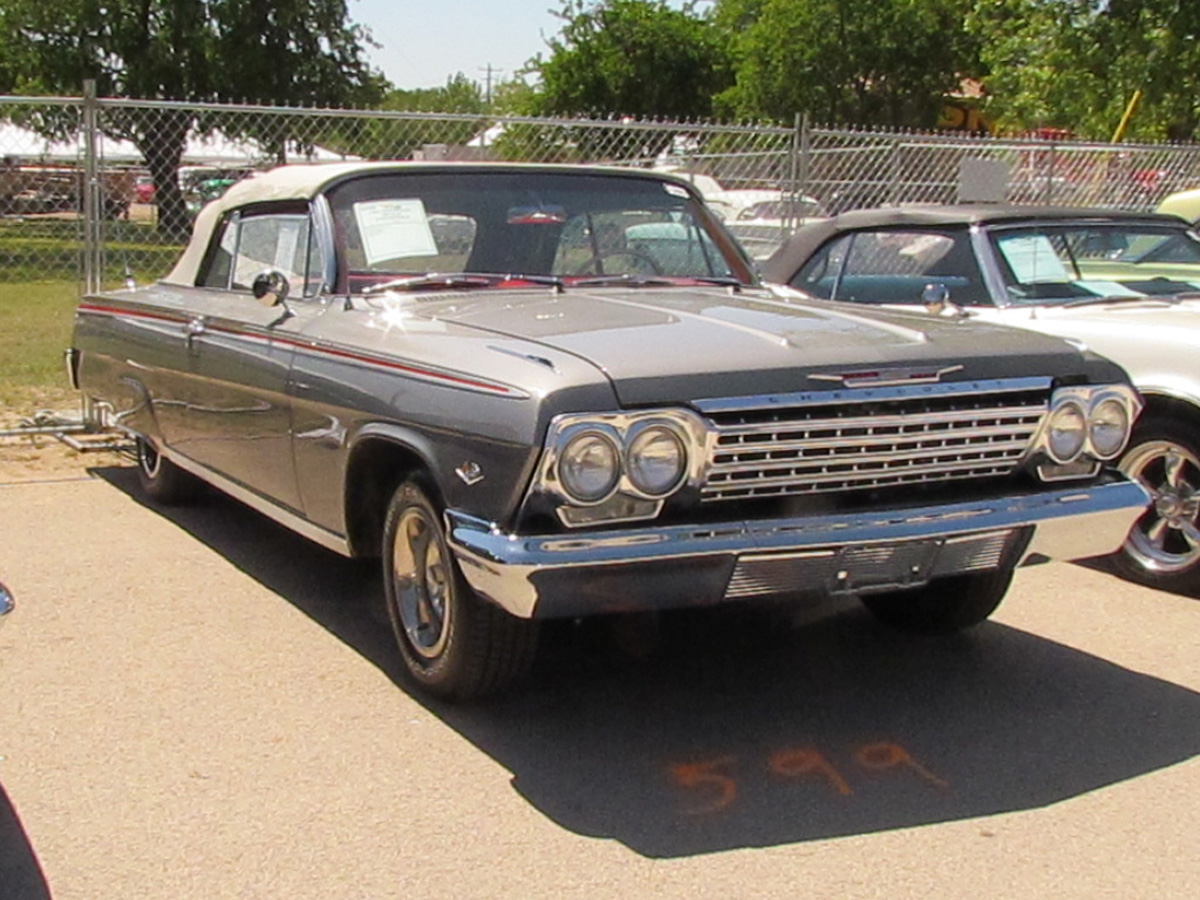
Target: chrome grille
[(861, 439)]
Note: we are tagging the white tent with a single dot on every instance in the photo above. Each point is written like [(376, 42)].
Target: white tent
[(24, 145)]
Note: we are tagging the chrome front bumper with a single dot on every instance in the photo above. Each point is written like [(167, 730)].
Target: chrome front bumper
[(688, 565)]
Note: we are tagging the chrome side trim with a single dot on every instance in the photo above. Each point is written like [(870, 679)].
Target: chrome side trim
[(286, 517), (1067, 524)]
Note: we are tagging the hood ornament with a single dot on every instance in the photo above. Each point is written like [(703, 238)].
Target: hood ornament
[(886, 377)]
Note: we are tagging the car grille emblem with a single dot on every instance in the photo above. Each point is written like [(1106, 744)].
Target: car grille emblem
[(890, 376)]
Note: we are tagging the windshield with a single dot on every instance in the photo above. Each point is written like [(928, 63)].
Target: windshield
[(573, 227), (1072, 262)]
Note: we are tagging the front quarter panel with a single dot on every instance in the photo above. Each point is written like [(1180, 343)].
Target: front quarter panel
[(471, 408)]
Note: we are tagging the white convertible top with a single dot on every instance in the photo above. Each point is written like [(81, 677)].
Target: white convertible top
[(303, 181)]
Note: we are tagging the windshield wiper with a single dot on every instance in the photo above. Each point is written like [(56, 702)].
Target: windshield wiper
[(631, 280), (433, 281), (657, 280)]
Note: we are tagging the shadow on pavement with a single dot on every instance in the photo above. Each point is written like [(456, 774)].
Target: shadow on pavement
[(741, 729), (21, 875)]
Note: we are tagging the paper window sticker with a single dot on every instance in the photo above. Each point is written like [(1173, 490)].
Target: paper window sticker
[(394, 229), (1034, 260)]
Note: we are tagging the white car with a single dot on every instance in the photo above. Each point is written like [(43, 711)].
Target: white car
[(1125, 285)]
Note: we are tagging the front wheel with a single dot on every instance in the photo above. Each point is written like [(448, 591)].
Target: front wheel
[(1163, 547), (454, 644), (943, 606)]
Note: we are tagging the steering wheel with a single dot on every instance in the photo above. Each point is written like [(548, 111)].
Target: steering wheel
[(593, 266)]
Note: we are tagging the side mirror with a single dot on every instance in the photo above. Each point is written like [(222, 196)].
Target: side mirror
[(270, 288), (937, 302)]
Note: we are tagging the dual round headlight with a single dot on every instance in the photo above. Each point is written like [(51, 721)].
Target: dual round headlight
[(1110, 424), (1066, 432), (652, 459), (1098, 428)]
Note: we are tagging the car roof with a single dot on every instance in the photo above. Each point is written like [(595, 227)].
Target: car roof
[(784, 262), (304, 181)]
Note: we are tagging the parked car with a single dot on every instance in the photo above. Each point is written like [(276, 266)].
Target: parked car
[(143, 189), (1124, 284), (540, 391), (1185, 204), (764, 226), (6, 603)]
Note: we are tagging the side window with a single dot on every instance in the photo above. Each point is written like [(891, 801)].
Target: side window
[(251, 244), (895, 266), (819, 275)]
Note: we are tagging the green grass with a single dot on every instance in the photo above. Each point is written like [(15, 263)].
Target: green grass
[(40, 278), (44, 248), (35, 327)]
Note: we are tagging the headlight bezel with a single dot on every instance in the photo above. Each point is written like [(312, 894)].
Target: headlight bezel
[(1087, 400), (630, 498)]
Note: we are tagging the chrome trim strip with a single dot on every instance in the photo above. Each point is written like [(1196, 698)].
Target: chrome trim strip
[(299, 344), (1068, 524)]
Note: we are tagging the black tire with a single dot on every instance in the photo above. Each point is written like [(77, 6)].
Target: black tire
[(1163, 547), (163, 481), (943, 606), (454, 644)]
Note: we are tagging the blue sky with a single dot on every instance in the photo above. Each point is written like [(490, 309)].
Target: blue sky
[(425, 42)]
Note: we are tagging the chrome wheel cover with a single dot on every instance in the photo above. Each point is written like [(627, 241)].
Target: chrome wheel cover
[(422, 584), (148, 458), (1166, 539)]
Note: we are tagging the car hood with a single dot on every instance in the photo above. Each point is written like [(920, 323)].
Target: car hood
[(679, 343), (1155, 340)]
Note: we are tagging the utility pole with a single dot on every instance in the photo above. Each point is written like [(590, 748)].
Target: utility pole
[(487, 92)]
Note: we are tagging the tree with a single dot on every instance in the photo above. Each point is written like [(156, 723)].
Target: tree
[(396, 138), (266, 51), (632, 57), (1078, 64), (860, 62)]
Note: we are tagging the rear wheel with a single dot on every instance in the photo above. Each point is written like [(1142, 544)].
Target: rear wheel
[(453, 643), (1163, 547), (943, 606), (162, 480)]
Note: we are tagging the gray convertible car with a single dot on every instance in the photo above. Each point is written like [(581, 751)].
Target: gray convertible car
[(539, 391)]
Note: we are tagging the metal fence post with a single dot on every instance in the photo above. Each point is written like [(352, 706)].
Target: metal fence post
[(894, 172), (1051, 159), (92, 204), (795, 152)]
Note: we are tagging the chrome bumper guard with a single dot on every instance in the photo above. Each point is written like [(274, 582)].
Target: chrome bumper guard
[(655, 568)]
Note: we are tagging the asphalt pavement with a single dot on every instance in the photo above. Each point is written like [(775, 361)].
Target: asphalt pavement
[(195, 703)]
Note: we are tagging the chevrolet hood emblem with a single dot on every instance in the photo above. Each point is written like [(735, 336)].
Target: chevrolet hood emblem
[(882, 377)]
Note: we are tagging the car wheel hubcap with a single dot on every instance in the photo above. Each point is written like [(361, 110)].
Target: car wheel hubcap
[(422, 584), (1166, 539), (148, 458)]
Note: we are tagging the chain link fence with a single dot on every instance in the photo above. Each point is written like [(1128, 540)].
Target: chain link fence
[(102, 191)]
